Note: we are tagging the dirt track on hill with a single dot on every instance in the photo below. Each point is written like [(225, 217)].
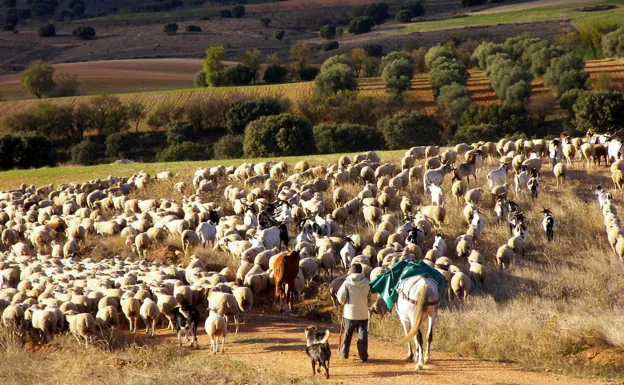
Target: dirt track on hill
[(277, 344)]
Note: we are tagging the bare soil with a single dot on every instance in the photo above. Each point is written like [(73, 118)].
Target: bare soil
[(277, 345)]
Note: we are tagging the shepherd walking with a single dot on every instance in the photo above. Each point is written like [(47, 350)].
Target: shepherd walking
[(354, 296)]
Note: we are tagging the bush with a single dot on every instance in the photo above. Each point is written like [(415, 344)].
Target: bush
[(66, 85), (12, 19), (213, 66), (192, 28), (404, 16), (279, 35), (345, 137), (336, 59), (240, 114), (47, 30), (84, 153), (418, 57), (476, 133), (566, 73), (225, 13), (84, 33), (229, 147), (392, 56), (278, 135), (443, 76), (599, 110), (511, 82), (415, 7), (408, 129), (370, 67), (338, 77), (472, 3), (568, 99), (179, 132), (454, 99), (339, 31), (118, 145), (328, 31), (9, 27), (360, 25), (613, 43), (330, 46), (238, 11), (308, 73), (485, 50), (265, 21), (397, 75), (199, 80), (374, 50), (184, 151), (10, 147), (378, 12), (39, 145), (170, 28), (239, 75), (436, 52), (275, 74)]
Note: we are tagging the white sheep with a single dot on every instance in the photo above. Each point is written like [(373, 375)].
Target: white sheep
[(131, 308), (437, 195), (244, 298), (149, 314), (81, 325), (216, 326)]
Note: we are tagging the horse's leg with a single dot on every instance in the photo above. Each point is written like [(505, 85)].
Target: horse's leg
[(406, 327), (432, 321), (419, 343)]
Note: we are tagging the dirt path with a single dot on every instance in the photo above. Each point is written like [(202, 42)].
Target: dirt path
[(277, 345)]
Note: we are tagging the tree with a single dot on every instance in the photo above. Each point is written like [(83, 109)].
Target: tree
[(378, 12), (436, 52), (472, 3), (408, 129), (591, 35), (392, 56), (337, 59), (265, 21), (360, 25), (338, 77), (357, 57), (192, 28), (136, 113), (374, 50), (239, 75), (179, 131), (444, 75), (199, 80), (84, 153), (416, 7), (240, 114), (278, 135), (273, 59), (345, 137), (454, 99), (279, 34), (171, 28), (165, 114), (328, 31), (238, 11), (541, 106), (229, 147), (253, 60), (65, 84), (275, 74), (485, 50), (418, 57), (475, 133), (568, 99), (186, 151), (301, 53), (598, 110), (24, 14), (84, 33), (118, 145), (107, 115), (213, 66), (565, 73), (605, 82), (225, 13), (308, 73), (613, 43), (404, 16), (397, 75), (38, 79), (370, 66), (11, 19), (39, 145), (47, 30)]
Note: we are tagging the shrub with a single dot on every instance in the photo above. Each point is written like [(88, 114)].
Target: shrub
[(170, 28), (330, 46), (568, 99), (378, 12), (613, 43), (599, 110), (404, 16), (338, 77), (239, 75), (475, 133), (360, 25), (240, 114), (328, 31), (308, 73), (541, 106), (408, 129), (238, 11), (39, 145), (84, 153), (213, 66), (415, 7), (47, 30), (24, 14), (179, 132), (278, 135), (192, 28), (275, 74), (279, 35), (225, 13), (374, 50), (339, 31), (472, 3), (66, 85), (229, 147), (511, 82), (10, 147), (418, 57), (165, 114), (84, 33), (184, 151), (9, 27), (118, 145), (265, 21), (436, 52), (454, 99), (199, 80), (38, 79), (345, 137), (370, 66), (566, 73), (485, 50), (11, 19), (392, 56), (336, 59), (444, 75), (107, 115), (397, 75)]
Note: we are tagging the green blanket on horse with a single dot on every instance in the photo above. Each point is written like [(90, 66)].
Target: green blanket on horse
[(389, 284)]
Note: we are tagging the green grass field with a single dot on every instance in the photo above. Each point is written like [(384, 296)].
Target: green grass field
[(536, 14)]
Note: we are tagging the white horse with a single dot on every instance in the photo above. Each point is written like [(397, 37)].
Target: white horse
[(419, 298)]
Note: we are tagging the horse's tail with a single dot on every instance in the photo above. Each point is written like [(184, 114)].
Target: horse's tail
[(419, 309)]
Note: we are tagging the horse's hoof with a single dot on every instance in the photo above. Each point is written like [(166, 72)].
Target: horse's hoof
[(409, 359), (419, 367)]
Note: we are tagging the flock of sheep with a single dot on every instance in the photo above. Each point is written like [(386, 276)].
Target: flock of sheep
[(253, 212)]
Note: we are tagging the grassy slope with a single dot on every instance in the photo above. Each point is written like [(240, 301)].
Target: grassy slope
[(539, 13)]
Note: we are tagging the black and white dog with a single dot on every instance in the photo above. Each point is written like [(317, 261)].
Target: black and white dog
[(317, 348), (533, 184), (186, 318), (548, 224)]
